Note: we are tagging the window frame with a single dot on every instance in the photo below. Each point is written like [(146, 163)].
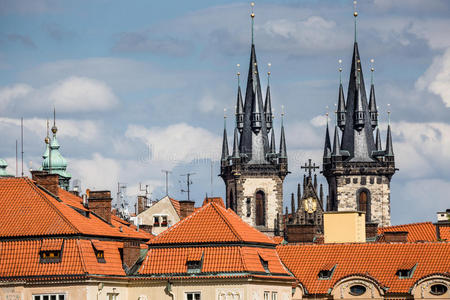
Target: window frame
[(438, 293), (193, 293), (40, 296)]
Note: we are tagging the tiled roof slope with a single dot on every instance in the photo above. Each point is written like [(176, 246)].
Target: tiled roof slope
[(176, 205), (444, 231), (221, 259), (27, 210), (211, 224), (20, 259), (425, 231), (380, 261)]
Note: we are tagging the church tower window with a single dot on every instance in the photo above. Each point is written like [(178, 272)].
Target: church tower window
[(260, 208)]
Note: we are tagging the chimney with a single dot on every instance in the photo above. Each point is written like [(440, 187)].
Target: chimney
[(100, 203), (131, 252), (141, 204), (371, 230), (186, 208), (50, 182), (395, 236)]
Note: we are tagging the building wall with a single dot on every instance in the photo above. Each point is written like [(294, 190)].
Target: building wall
[(162, 207), (379, 189), (344, 227), (247, 186)]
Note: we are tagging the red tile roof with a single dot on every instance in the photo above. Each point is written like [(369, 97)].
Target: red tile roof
[(425, 231), (21, 258), (377, 260), (43, 215), (444, 231), (176, 205), (211, 224)]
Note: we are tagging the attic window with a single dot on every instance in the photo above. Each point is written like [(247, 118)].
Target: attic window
[(194, 261), (438, 289), (264, 262), (51, 251), (99, 251), (406, 270), (326, 271)]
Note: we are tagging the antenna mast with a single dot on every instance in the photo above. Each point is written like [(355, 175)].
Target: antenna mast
[(21, 140), (167, 172), (17, 169), (188, 183)]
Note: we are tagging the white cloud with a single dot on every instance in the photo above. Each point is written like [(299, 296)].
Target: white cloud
[(437, 78), (177, 143), (86, 131), (82, 94), (319, 121), (73, 94)]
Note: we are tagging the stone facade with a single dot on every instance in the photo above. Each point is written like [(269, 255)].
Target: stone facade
[(378, 188), (243, 189)]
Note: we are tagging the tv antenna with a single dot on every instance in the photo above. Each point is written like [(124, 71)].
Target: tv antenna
[(167, 172), (188, 183)]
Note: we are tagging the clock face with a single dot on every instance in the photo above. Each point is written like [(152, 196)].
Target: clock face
[(310, 205)]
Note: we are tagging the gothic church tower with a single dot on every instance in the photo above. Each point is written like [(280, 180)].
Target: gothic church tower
[(255, 172), (357, 169)]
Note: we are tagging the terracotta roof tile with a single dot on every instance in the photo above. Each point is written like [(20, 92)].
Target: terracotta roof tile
[(211, 224), (444, 232), (425, 231), (217, 200), (176, 205), (378, 260)]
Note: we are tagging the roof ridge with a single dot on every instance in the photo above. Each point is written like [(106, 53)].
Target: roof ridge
[(40, 193), (235, 232), (409, 224)]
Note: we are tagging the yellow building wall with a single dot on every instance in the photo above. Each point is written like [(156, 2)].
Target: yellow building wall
[(344, 227)]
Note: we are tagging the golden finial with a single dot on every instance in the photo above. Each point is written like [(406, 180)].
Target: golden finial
[(268, 73), (54, 128), (238, 74), (253, 17), (371, 69), (47, 138), (389, 114), (355, 13), (340, 70)]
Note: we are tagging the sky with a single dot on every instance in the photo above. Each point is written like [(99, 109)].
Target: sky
[(141, 86)]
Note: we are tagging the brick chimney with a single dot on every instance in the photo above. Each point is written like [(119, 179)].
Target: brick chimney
[(141, 203), (371, 230), (100, 203), (50, 182), (131, 252), (395, 236), (186, 208)]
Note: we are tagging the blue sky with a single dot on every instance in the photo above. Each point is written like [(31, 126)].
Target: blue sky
[(132, 77)]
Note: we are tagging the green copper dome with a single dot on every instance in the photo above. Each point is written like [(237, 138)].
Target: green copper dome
[(3, 166)]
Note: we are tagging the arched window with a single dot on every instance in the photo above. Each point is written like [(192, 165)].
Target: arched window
[(260, 203), (364, 202)]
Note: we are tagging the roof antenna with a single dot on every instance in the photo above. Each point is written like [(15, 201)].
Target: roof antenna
[(355, 14), (21, 140), (253, 18), (167, 172), (17, 169)]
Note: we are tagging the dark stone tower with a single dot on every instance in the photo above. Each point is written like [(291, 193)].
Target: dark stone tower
[(358, 171), (254, 173)]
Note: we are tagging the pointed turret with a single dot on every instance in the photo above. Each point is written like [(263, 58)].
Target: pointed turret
[(268, 104), (373, 103), (283, 151), (236, 145), (341, 108), (327, 147), (239, 111), (292, 203), (378, 146), (225, 151), (272, 143), (336, 144), (389, 149)]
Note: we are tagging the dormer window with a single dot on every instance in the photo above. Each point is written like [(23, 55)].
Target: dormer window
[(264, 261), (51, 251), (326, 271), (406, 270), (194, 261), (99, 251)]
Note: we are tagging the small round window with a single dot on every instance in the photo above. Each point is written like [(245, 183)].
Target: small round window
[(438, 289), (357, 290)]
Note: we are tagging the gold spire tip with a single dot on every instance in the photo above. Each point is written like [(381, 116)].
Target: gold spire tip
[(355, 13), (252, 4)]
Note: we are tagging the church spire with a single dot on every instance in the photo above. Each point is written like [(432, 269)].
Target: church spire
[(372, 102), (268, 103), (341, 101), (272, 143), (235, 144), (336, 143), (389, 149), (283, 151), (327, 147), (225, 151), (378, 141), (239, 104)]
